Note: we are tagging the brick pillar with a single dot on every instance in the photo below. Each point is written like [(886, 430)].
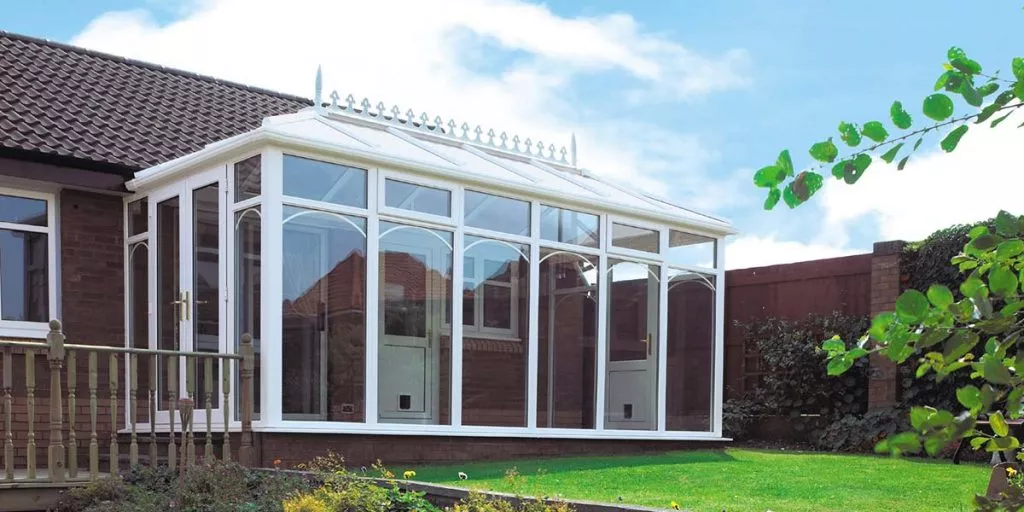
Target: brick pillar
[(883, 376)]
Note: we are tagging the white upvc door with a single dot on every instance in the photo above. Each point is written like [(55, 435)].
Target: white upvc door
[(188, 284), (631, 397)]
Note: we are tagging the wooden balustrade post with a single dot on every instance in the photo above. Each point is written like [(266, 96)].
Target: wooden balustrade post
[(153, 363), (8, 405), (172, 402), (30, 395), (72, 369), (55, 355), (245, 450), (133, 391), (226, 377), (94, 445), (208, 384), (189, 428), (186, 406), (115, 463)]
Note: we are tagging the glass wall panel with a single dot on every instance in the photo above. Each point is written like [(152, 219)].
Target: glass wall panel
[(690, 250), (324, 181), (496, 337), (23, 210), (205, 307), (138, 309), (631, 383), (567, 336), (486, 211), (248, 178), (24, 272), (569, 226), (691, 352), (417, 198), (324, 316), (415, 308), (168, 301), (632, 237), (248, 288), (138, 217)]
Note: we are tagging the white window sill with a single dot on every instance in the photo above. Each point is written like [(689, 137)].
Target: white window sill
[(26, 330)]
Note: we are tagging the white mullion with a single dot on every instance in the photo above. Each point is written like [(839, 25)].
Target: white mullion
[(11, 226), (311, 204), (532, 364), (242, 205), (662, 352), (372, 299), (455, 386), (719, 389), (602, 327), (497, 235), (575, 249), (271, 235)]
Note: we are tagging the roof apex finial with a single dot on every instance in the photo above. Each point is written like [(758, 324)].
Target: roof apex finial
[(318, 102), (572, 149)]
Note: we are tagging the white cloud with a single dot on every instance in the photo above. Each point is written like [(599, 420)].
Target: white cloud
[(757, 251), (936, 189), (428, 55)]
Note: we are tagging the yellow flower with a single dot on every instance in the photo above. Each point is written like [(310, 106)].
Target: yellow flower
[(1011, 472), (409, 474), (674, 505)]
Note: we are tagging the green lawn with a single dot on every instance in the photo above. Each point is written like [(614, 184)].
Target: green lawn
[(734, 480)]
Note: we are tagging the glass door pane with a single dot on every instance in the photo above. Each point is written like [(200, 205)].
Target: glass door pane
[(632, 346), (204, 311)]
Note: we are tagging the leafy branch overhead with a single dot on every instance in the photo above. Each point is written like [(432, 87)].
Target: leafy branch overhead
[(985, 95)]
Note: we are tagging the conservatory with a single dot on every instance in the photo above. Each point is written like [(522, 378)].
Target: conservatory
[(406, 275)]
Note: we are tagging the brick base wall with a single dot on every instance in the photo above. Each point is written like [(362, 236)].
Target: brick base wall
[(363, 450), (883, 375)]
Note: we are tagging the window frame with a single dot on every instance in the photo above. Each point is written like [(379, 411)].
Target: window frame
[(23, 328), (477, 328)]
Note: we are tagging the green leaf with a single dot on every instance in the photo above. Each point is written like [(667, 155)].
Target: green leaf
[(912, 306), (918, 143), (952, 138), (985, 242), (900, 117), (970, 94), (824, 151), (773, 198), (940, 296), (802, 188), (849, 134), (944, 79), (938, 106), (902, 163), (890, 155), (1007, 223), (833, 345), (1013, 402), (839, 364), (977, 442), (993, 370), (1018, 68), (1010, 248), (998, 423), (969, 396), (958, 345), (904, 442), (1018, 90), (955, 52), (971, 286), (851, 170), (880, 324), (966, 65), (918, 415), (769, 176), (875, 131), (988, 89), (977, 231), (1002, 281), (785, 163), (998, 121)]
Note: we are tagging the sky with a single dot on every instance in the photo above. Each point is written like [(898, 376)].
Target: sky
[(683, 98)]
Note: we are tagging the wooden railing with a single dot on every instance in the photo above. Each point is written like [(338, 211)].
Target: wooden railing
[(62, 360)]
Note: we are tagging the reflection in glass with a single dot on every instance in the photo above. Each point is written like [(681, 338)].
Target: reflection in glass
[(138, 307), (248, 287), (22, 210), (632, 237), (567, 348), (24, 272), (691, 352), (417, 198), (496, 213), (632, 346), (569, 226), (138, 216), (205, 310), (324, 181), (415, 305), (494, 342), (248, 178), (324, 310), (690, 250)]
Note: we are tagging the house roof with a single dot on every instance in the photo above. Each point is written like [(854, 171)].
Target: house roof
[(60, 101)]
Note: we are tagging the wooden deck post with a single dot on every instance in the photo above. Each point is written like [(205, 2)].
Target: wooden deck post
[(55, 355), (245, 451), (8, 405)]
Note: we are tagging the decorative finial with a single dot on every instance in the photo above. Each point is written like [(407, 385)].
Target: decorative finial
[(318, 102), (572, 149)]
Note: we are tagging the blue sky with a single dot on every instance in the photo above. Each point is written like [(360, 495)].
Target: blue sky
[(703, 94)]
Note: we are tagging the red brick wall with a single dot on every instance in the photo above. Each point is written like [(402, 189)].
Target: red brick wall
[(883, 389)]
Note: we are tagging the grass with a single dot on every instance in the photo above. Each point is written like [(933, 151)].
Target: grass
[(734, 480)]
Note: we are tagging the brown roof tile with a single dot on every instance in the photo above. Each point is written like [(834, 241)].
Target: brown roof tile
[(62, 101)]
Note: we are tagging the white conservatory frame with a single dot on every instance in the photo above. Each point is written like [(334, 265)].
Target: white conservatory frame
[(273, 140)]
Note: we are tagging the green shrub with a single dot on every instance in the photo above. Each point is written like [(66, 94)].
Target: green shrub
[(738, 415), (858, 433)]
